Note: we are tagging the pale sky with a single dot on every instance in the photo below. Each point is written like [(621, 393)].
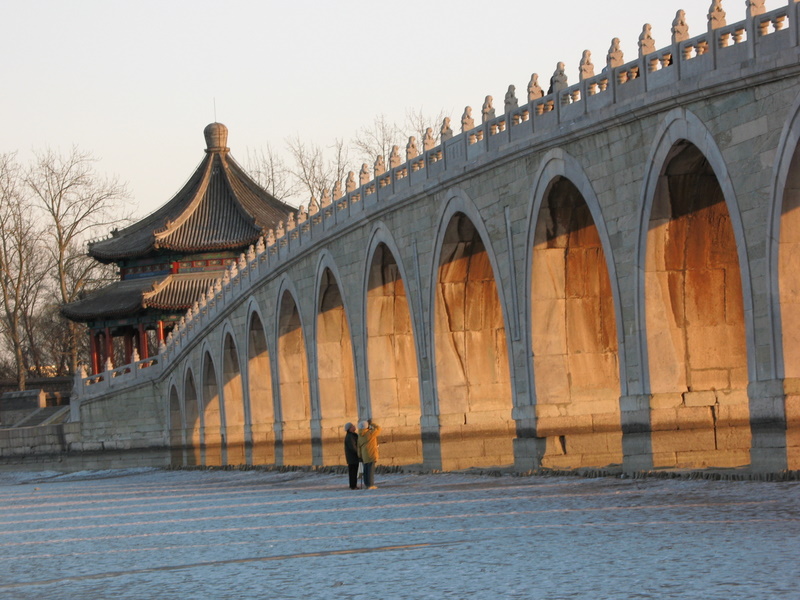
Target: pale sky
[(135, 82)]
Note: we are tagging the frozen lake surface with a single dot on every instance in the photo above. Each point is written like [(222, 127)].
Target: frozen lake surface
[(141, 534)]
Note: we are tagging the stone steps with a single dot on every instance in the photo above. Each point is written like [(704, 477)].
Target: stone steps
[(44, 416)]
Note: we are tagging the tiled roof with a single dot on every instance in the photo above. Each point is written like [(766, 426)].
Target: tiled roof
[(170, 293), (179, 292), (219, 208)]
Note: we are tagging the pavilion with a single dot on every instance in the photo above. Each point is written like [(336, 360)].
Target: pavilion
[(167, 260)]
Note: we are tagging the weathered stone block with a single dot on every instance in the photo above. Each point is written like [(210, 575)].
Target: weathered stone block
[(380, 315), (734, 397), (710, 379), (733, 438), (733, 415), (548, 319), (384, 396), (664, 419), (549, 273), (666, 400), (382, 359), (597, 406), (704, 460), (700, 398), (405, 353), (450, 420), (695, 417), (684, 440), (606, 422), (551, 379), (593, 373)]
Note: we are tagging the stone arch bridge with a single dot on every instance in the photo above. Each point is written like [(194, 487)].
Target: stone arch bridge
[(606, 275)]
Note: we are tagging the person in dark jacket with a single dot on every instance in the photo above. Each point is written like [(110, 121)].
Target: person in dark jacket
[(351, 454)]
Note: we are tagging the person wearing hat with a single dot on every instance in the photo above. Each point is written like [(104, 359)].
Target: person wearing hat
[(368, 450), (351, 454)]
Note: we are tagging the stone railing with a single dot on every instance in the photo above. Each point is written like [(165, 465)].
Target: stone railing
[(760, 35)]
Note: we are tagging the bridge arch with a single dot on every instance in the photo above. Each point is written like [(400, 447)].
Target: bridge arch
[(176, 435), (234, 417), (783, 241), (682, 125), (783, 256), (193, 419), (260, 406), (391, 331), (294, 384), (576, 341), (694, 304), (473, 377), (335, 361), (213, 442)]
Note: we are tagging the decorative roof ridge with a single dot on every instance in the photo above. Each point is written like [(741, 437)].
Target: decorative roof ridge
[(199, 193), (251, 184), (156, 288), (238, 203), (149, 221)]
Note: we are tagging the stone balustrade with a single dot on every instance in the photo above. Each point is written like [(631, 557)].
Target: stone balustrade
[(714, 51)]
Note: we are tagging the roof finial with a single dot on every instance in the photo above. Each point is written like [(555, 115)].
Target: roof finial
[(216, 135)]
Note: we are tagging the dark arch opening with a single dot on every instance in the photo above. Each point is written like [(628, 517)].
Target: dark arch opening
[(194, 424), (695, 326), (294, 385), (232, 392), (392, 362), (472, 370), (176, 429), (335, 370), (574, 335), (262, 413), (212, 416)]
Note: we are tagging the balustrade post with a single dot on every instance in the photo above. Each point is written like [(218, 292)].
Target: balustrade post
[(613, 80), (751, 33), (557, 105), (585, 95), (714, 42), (532, 115)]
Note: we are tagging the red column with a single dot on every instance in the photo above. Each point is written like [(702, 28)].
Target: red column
[(127, 339), (143, 353), (160, 332), (94, 352)]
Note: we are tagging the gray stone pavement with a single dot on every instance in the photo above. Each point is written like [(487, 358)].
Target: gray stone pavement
[(144, 534)]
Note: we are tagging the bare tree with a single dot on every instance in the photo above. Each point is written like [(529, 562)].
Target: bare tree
[(417, 122), (338, 165), (271, 173), (313, 170), (79, 204), (23, 267), (378, 139)]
